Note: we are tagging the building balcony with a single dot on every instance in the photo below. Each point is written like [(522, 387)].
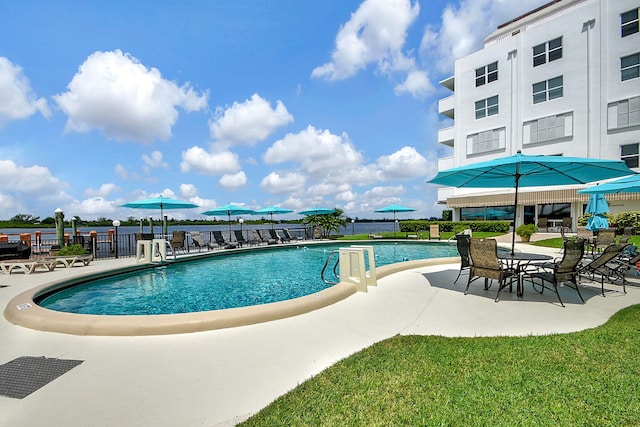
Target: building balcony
[(446, 107), (449, 83), (445, 136)]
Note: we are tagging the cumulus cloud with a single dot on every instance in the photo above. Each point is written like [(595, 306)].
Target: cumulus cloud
[(249, 122), (317, 151), (29, 189), (188, 191), (17, 100), (465, 26), (405, 163), (92, 208), (103, 191), (115, 93), (155, 161), (283, 183), (233, 181), (199, 160), (376, 34)]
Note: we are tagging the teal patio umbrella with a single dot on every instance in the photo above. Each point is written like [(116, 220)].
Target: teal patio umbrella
[(521, 170), (161, 203), (628, 184), (597, 207), (229, 209), (395, 208), (272, 210)]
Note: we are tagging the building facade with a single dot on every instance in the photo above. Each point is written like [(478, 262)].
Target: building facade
[(562, 79)]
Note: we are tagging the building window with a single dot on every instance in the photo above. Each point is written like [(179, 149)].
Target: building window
[(630, 67), (629, 23), (490, 140), (624, 113), (487, 74), (548, 128), (547, 90), (547, 52), (629, 154), (487, 107)]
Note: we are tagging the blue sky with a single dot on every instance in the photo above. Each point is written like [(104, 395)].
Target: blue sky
[(295, 103)]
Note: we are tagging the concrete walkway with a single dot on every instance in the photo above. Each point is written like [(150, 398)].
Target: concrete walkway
[(218, 378)]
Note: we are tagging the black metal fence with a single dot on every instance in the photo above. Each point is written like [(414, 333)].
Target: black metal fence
[(111, 244)]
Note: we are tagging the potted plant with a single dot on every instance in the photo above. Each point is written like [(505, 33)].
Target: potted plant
[(525, 231)]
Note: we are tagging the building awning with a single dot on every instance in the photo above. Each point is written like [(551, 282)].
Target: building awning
[(530, 198)]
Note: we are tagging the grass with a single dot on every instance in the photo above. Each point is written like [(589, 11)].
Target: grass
[(424, 235), (588, 378)]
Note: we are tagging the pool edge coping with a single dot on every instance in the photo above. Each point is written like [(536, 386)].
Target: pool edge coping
[(21, 310)]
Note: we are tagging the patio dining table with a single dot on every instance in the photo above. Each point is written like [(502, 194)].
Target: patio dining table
[(518, 262)]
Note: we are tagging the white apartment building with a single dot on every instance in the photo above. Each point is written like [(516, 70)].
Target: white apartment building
[(560, 80)]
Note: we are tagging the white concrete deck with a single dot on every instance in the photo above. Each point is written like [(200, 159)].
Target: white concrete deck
[(220, 377)]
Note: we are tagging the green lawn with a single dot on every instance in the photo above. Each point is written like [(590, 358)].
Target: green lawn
[(588, 378)]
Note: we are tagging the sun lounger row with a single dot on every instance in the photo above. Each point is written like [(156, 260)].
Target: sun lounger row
[(28, 266)]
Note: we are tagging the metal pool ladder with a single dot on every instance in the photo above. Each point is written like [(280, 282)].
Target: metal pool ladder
[(335, 268)]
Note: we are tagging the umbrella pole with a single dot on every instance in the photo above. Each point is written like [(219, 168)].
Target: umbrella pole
[(515, 210)]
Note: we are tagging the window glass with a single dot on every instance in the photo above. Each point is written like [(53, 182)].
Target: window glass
[(629, 154), (630, 67), (629, 23)]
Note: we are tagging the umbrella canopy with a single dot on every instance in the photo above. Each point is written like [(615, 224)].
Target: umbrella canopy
[(597, 206), (271, 210), (521, 170), (229, 209), (317, 211), (161, 203), (395, 208), (628, 184)]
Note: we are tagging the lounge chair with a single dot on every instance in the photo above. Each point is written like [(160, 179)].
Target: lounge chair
[(434, 231), (463, 241), (241, 240), (563, 271), (264, 239), (598, 266), (217, 236), (375, 236), (626, 235), (626, 263), (178, 240), (283, 237), (69, 261), (288, 235), (486, 264), (199, 243), (27, 266)]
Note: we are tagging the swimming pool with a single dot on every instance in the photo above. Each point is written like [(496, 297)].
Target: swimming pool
[(222, 282)]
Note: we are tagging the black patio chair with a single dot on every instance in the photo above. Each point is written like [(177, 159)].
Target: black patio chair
[(463, 241), (601, 267), (562, 272), (486, 264)]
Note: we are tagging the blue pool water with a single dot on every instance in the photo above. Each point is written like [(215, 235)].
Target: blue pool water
[(214, 283)]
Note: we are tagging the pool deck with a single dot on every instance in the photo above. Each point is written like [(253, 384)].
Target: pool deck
[(220, 377)]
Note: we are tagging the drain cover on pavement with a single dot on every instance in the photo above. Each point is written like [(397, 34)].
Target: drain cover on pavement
[(24, 375)]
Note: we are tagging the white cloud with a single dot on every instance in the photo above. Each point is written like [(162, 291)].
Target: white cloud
[(115, 93), (103, 191), (188, 191), (465, 26), (154, 161), (376, 34), (92, 208), (405, 163), (17, 100), (199, 160), (283, 182), (249, 122), (318, 152), (233, 181)]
